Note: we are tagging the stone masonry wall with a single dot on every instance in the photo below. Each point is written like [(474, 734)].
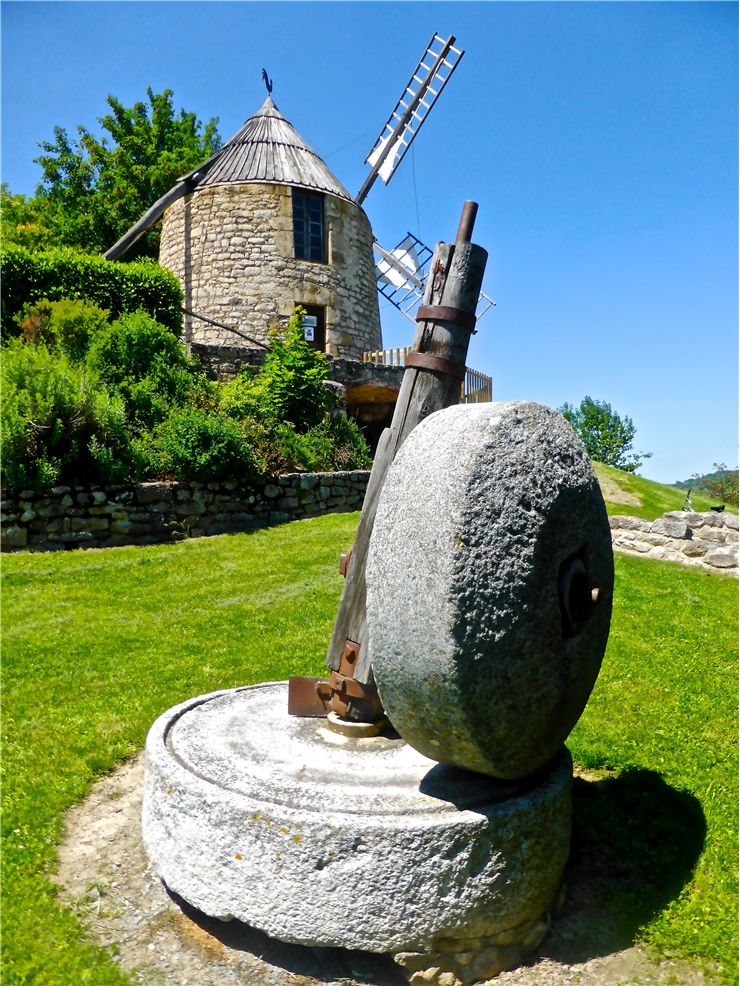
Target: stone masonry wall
[(231, 247), (703, 540), (145, 513)]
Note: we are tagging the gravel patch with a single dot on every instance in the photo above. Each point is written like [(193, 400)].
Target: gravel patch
[(105, 876)]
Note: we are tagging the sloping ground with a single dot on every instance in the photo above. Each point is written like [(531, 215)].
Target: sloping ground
[(625, 493)]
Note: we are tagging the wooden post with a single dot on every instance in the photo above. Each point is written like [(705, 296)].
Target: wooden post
[(431, 382)]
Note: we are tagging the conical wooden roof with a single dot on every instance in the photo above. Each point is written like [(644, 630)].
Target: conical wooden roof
[(269, 149)]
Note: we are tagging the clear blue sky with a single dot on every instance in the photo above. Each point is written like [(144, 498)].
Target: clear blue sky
[(599, 139)]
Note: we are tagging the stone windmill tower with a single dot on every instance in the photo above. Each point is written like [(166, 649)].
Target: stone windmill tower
[(259, 228), (266, 228)]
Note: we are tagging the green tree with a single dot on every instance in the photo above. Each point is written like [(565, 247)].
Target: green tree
[(722, 484), (21, 220), (607, 436), (93, 189)]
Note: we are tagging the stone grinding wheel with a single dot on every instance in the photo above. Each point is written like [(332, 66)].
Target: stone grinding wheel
[(490, 536)]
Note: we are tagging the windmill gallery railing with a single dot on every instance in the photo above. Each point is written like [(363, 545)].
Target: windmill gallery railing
[(475, 389)]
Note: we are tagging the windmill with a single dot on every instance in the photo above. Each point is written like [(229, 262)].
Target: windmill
[(263, 225)]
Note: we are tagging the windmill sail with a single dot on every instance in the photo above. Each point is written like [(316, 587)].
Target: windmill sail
[(439, 61), (401, 275)]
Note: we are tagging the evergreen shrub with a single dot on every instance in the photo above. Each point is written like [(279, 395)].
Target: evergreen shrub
[(194, 444), (147, 366), (46, 415), (27, 278)]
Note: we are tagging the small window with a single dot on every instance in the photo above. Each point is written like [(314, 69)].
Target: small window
[(308, 226)]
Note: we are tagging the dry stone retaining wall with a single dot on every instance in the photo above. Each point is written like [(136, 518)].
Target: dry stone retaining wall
[(704, 540), (145, 513)]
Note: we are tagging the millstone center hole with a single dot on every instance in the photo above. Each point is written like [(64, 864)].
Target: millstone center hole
[(574, 592)]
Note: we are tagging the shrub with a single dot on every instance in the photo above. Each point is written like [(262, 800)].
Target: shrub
[(144, 363), (46, 416), (194, 444), (68, 324), (62, 273), (336, 443), (291, 378), (240, 398)]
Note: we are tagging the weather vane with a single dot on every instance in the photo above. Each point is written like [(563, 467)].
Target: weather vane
[(268, 81)]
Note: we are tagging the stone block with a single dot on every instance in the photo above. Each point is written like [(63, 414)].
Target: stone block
[(622, 523), (278, 517), (73, 537), (153, 492), (14, 537), (218, 835), (721, 558), (89, 524), (99, 496), (715, 535), (272, 492), (162, 507), (671, 528)]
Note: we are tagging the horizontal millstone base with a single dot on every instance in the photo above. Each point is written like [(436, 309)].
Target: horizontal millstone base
[(323, 839)]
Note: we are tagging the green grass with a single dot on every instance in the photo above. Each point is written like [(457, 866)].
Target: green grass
[(98, 643), (655, 499)]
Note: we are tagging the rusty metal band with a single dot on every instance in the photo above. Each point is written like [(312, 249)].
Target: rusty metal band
[(444, 313), (349, 687), (440, 364)]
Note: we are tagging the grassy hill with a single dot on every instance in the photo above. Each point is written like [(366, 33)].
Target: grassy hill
[(626, 493)]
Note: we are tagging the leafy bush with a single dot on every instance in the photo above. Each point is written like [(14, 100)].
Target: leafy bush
[(291, 379), (46, 418), (240, 398), (335, 444), (69, 324), (62, 273), (351, 451), (144, 363), (138, 406), (195, 444)]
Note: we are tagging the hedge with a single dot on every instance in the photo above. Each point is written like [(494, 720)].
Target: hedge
[(64, 273)]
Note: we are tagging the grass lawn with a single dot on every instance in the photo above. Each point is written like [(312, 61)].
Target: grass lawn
[(98, 643)]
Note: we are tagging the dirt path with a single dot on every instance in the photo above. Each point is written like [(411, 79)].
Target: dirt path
[(105, 876)]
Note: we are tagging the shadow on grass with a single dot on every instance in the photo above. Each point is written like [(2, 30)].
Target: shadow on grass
[(636, 841)]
